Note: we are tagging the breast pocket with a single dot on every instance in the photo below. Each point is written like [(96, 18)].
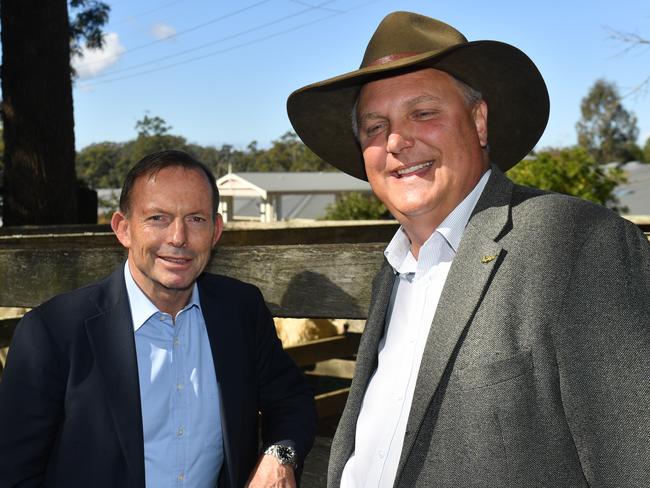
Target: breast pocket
[(490, 374)]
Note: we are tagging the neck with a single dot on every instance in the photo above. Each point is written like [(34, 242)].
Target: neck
[(167, 300), (417, 235), (170, 301), (419, 228)]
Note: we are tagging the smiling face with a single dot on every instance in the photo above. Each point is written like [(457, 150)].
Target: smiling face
[(169, 232), (423, 146)]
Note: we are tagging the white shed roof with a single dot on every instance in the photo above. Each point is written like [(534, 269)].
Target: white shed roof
[(635, 194), (247, 184)]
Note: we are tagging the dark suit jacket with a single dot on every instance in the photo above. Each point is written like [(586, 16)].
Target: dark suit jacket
[(536, 371), (70, 400)]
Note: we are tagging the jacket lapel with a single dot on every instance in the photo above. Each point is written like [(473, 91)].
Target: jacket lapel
[(478, 258), (343, 443), (111, 339), (216, 310)]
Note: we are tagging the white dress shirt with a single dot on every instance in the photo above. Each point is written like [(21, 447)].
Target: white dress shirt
[(387, 402)]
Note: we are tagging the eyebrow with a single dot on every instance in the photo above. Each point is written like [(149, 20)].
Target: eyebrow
[(159, 210), (408, 104), (420, 99)]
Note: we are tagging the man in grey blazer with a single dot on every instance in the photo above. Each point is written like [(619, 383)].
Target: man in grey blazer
[(508, 339)]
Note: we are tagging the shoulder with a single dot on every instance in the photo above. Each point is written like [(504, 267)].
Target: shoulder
[(564, 228), (555, 210), (60, 321), (92, 297)]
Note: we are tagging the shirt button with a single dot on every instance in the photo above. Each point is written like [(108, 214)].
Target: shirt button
[(177, 341), (180, 432), (179, 386), (381, 454), (181, 477), (400, 398)]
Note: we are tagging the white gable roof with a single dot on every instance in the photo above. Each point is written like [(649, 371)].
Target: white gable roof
[(260, 184)]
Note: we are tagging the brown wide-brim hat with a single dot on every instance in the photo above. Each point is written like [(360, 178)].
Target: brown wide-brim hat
[(511, 85)]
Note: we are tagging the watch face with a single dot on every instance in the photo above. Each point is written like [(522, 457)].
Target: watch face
[(284, 454)]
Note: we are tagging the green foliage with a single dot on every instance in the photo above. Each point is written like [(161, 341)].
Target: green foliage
[(143, 145), (356, 206), (89, 18), (98, 165), (152, 126), (105, 165), (571, 171), (607, 130), (646, 151), (288, 154)]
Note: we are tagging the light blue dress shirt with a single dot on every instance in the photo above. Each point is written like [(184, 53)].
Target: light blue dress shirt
[(183, 440)]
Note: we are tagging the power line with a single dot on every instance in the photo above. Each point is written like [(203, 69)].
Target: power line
[(185, 31), (232, 48), (306, 4), (217, 41)]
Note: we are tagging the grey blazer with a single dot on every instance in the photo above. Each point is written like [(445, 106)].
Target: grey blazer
[(536, 371)]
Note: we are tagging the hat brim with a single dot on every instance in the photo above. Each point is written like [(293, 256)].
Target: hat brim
[(510, 83)]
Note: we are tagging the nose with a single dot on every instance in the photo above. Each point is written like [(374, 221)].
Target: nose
[(397, 142), (178, 234)]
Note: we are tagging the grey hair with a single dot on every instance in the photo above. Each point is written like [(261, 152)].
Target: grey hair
[(471, 95), (355, 118)]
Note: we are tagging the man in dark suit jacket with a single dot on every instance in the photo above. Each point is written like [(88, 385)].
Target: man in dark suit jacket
[(508, 337), (96, 394)]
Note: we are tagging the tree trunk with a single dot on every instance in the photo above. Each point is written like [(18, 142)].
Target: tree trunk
[(39, 175)]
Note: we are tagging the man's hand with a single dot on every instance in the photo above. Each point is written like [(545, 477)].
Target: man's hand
[(269, 473)]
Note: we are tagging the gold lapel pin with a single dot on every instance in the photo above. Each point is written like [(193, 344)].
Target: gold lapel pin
[(487, 259)]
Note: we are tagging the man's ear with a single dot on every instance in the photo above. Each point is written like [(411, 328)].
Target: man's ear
[(480, 114), (218, 228), (120, 226)]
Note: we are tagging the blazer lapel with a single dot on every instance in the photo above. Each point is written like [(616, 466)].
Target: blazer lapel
[(366, 364), (113, 344), (216, 310), (478, 258)]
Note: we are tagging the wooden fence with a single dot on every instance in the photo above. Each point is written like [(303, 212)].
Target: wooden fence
[(323, 271)]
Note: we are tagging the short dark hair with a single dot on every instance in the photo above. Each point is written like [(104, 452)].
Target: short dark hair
[(151, 164)]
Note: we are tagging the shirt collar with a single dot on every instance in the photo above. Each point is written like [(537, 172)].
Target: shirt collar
[(453, 227), (141, 307), (398, 252)]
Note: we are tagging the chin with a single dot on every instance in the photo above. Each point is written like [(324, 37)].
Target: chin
[(414, 210), (177, 284)]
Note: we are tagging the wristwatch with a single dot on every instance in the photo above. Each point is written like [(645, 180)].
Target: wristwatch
[(284, 454)]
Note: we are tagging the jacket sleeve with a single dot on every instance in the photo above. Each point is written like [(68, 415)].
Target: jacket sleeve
[(286, 400), (31, 404), (603, 354)]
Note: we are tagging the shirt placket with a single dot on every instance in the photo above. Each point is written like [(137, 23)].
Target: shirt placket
[(180, 404), (414, 312)]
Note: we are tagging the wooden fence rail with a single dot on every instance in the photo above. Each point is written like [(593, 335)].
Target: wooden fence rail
[(316, 272), (315, 280)]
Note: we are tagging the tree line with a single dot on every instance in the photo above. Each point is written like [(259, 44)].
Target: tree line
[(105, 164)]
